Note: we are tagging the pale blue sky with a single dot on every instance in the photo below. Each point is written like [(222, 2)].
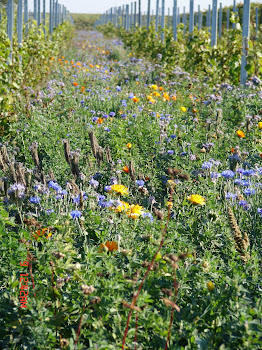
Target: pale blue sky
[(100, 6)]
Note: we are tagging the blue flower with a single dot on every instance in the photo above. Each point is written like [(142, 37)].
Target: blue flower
[(207, 165), (94, 183), (107, 129), (231, 195), (245, 183), (35, 200), (215, 175), (237, 182), (249, 172), (244, 205), (49, 211), (76, 214), (173, 136), (112, 114), (170, 152), (54, 185), (228, 174), (107, 188), (148, 215), (259, 211), (95, 119), (113, 180), (140, 183), (249, 191)]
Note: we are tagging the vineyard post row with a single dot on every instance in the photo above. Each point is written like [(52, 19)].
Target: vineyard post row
[(122, 17), (57, 15)]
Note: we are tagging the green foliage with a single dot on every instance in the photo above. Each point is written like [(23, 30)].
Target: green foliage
[(83, 21), (193, 53), (30, 64)]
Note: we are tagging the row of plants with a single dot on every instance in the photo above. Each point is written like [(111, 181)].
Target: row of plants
[(136, 202), (193, 53), (26, 65)]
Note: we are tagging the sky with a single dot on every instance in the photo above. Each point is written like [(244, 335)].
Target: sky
[(100, 6)]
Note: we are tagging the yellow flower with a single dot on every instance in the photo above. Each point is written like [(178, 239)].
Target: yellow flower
[(129, 145), (170, 183), (154, 87), (197, 199), (169, 204), (183, 109), (119, 189), (134, 211), (122, 206), (210, 286), (240, 133), (156, 94), (259, 125)]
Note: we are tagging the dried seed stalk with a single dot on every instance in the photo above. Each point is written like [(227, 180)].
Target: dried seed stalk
[(241, 241)]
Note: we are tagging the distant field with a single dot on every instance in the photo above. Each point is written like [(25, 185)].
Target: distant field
[(84, 21)]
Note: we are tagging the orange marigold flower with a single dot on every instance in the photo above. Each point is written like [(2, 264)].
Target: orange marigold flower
[(129, 145), (100, 120), (91, 66), (173, 97), (82, 89), (161, 88), (166, 96), (135, 99), (126, 169), (232, 150), (75, 83), (111, 246), (42, 232), (240, 133)]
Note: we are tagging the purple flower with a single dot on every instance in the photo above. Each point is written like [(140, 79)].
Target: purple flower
[(107, 129), (215, 175), (112, 114), (107, 188), (113, 180), (140, 183), (244, 205), (259, 211), (95, 119), (207, 165), (148, 215), (34, 200), (228, 174), (75, 214), (230, 195), (249, 191), (49, 211), (170, 152), (54, 185), (94, 183)]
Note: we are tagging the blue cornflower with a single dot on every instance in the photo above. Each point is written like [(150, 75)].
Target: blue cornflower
[(94, 183), (49, 211), (105, 116), (249, 191), (95, 119), (140, 183), (207, 165), (54, 185), (35, 200), (240, 170), (237, 182), (112, 114), (245, 183), (76, 214), (104, 204), (58, 197), (249, 172), (228, 174), (107, 129), (107, 188), (231, 195), (215, 175), (173, 136), (183, 154), (259, 211), (170, 152), (244, 205), (148, 215)]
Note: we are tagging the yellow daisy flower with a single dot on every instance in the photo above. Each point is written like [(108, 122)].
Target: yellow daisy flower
[(119, 189), (196, 199)]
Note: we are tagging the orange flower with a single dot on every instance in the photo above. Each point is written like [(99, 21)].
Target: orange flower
[(166, 96), (173, 97), (129, 145), (135, 99), (161, 88), (75, 83), (240, 133), (82, 89), (100, 120), (91, 66), (42, 232), (111, 246), (126, 169), (232, 150)]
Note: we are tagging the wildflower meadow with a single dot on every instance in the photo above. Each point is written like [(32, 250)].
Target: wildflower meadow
[(131, 207)]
